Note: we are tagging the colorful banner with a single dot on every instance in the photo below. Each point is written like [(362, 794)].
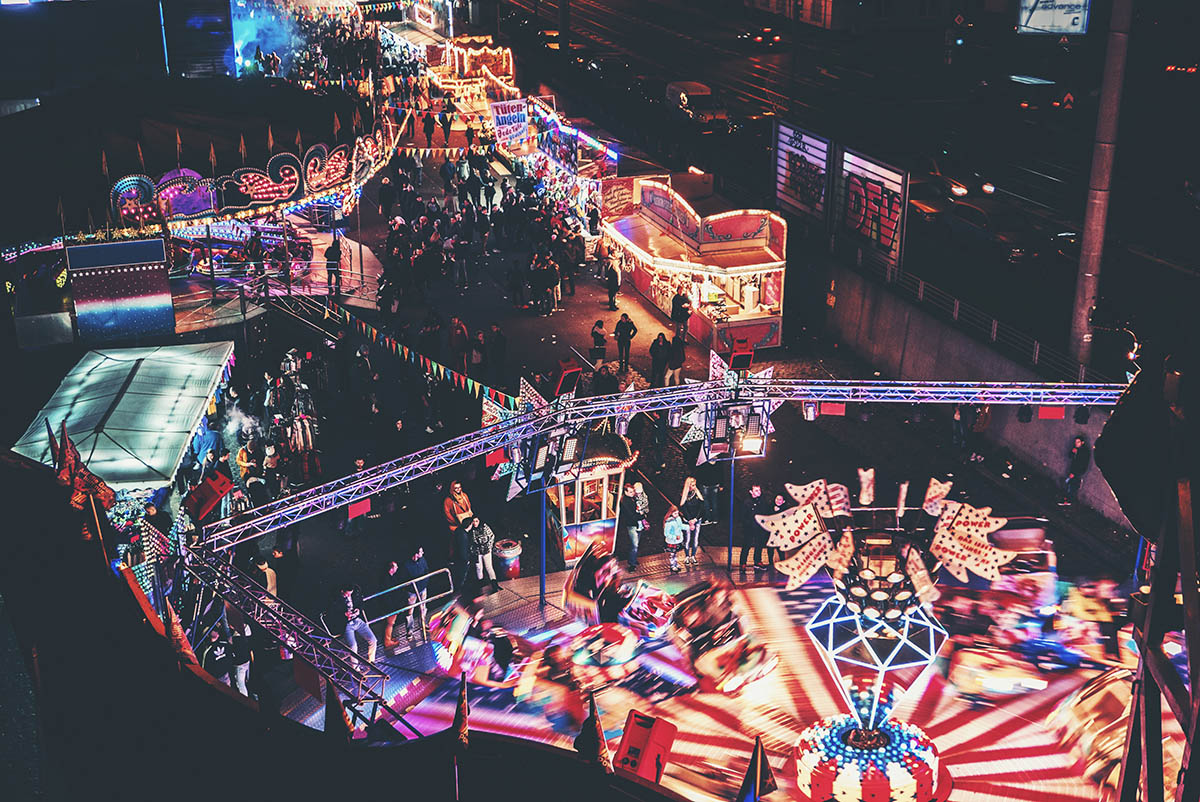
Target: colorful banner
[(801, 172), (871, 207), (511, 118)]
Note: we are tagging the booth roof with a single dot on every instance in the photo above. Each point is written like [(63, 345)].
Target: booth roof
[(131, 412), (652, 239)]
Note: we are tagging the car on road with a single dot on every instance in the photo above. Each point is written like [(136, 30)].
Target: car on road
[(958, 177), (764, 37), (996, 226), (697, 102), (927, 200)]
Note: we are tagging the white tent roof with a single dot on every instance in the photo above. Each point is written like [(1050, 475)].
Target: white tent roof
[(131, 412)]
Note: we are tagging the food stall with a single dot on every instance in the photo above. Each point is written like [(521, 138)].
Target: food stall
[(673, 233), (585, 510)]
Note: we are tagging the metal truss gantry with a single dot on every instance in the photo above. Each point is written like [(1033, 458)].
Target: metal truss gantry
[(358, 680), (570, 413)]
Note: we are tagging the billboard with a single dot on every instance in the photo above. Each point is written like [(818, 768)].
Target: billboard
[(801, 171), (1058, 17), (121, 290), (871, 202)]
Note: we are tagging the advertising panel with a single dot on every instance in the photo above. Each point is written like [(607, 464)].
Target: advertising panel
[(801, 172), (871, 200), (616, 198), (511, 118), (1058, 17), (121, 290)]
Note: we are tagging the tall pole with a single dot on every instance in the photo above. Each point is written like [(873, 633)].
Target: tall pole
[(564, 28), (1095, 219), (542, 589), (729, 552)]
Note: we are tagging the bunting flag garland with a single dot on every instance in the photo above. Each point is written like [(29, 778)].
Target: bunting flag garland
[(866, 487), (427, 365), (960, 542)]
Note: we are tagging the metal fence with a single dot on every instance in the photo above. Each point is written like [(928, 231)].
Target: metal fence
[(1006, 339)]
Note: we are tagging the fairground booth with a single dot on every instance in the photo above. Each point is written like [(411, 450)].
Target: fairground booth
[(671, 232), (131, 414), (585, 510)]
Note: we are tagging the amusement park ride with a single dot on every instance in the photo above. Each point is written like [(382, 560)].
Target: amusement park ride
[(875, 632)]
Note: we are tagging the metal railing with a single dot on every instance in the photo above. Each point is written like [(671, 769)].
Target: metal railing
[(1005, 338), (422, 603)]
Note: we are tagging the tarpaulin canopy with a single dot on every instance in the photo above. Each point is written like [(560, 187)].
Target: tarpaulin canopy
[(131, 412)]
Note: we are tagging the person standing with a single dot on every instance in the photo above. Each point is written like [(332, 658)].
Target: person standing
[(390, 578), (673, 533), (457, 510), (633, 521), (681, 310), (754, 537), (269, 579), (660, 349), (675, 358), (624, 331), (241, 658), (612, 280), (482, 538), (599, 344), (214, 655), (417, 568), (1079, 459), (356, 622), (708, 476), (691, 509), (428, 125)]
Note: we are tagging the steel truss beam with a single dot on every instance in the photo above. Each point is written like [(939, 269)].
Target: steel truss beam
[(358, 680), (570, 413)]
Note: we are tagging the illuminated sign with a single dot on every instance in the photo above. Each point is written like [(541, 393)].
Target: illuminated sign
[(871, 198), (801, 171), (1058, 17)]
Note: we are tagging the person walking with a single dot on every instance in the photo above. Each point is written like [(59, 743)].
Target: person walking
[(624, 331), (675, 359), (691, 509), (214, 655), (599, 347), (428, 125), (754, 537), (633, 521), (241, 656), (612, 280), (356, 622), (445, 120), (1079, 459), (482, 538), (660, 349)]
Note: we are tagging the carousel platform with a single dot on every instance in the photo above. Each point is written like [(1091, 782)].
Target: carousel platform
[(1001, 749)]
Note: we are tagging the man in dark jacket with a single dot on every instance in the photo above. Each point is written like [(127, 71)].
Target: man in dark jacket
[(1079, 459), (624, 331), (612, 280), (387, 197), (633, 521), (681, 310), (754, 537), (416, 567), (428, 125)]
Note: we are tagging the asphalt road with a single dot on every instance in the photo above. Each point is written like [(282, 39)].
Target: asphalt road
[(857, 86)]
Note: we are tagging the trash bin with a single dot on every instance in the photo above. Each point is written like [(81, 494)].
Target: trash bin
[(508, 552)]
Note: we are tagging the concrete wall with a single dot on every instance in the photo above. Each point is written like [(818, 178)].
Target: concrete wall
[(904, 342)]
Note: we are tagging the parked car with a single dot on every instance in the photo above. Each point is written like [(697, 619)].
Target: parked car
[(958, 177), (997, 226), (697, 102), (761, 37), (927, 199)]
